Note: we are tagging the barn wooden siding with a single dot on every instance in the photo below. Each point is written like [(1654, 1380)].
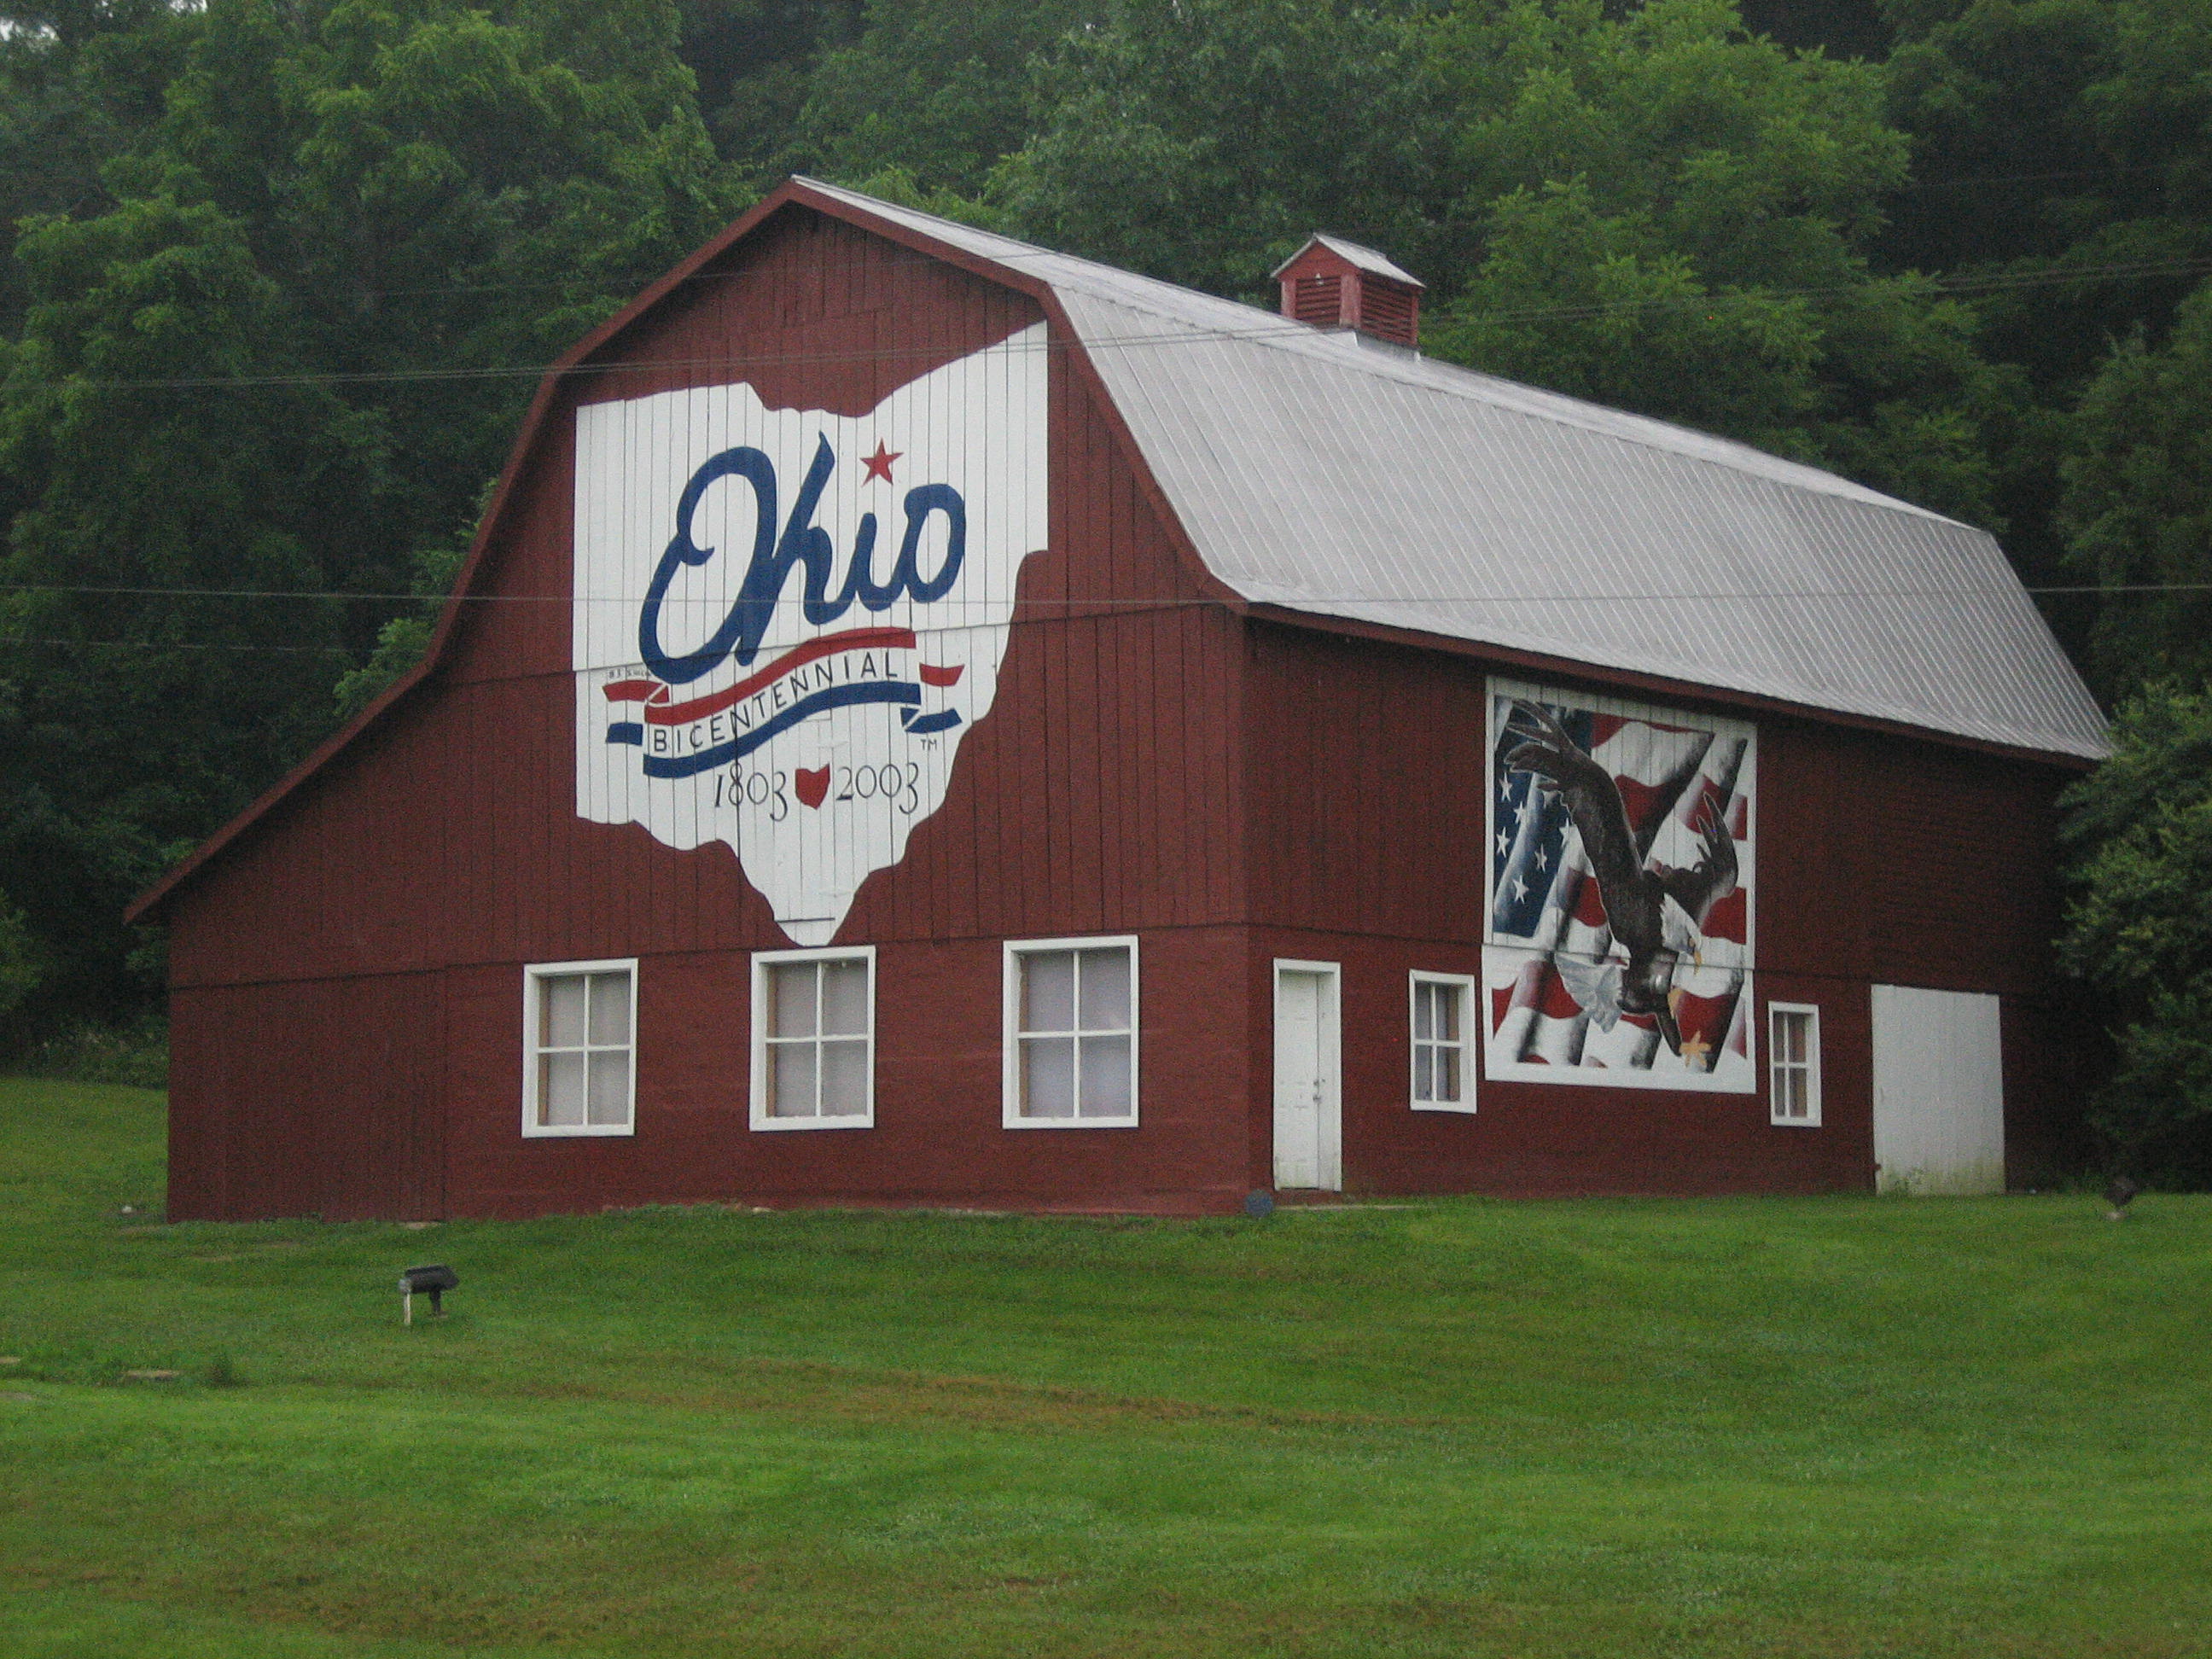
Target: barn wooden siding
[(390, 905), (347, 979), (1881, 859)]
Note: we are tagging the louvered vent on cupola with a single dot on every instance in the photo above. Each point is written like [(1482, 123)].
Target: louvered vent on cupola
[(1334, 284)]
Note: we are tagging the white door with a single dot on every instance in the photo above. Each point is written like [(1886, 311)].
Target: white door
[(1938, 1091), (1309, 1106)]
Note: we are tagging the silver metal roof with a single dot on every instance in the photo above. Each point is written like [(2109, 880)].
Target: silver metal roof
[(1319, 473), (1364, 259)]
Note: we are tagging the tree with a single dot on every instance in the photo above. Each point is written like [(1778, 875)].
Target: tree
[(2139, 930), (2063, 161), (1667, 214), (1201, 140), (2137, 513), (80, 81), (938, 90), (280, 356), (755, 62), (1645, 206)]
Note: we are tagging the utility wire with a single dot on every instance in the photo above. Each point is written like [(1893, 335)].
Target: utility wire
[(1606, 597), (636, 282), (1137, 606), (1272, 330)]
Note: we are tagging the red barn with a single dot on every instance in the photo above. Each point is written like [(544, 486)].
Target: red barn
[(928, 719)]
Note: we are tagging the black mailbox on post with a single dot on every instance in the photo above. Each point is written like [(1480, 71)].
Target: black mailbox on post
[(436, 1281)]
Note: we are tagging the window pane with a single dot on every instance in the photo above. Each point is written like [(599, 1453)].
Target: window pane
[(791, 1079), (561, 1005), (609, 1008), (1105, 987), (1048, 1077), (1105, 1077), (1048, 990), (561, 1091), (845, 999), (610, 1086), (1790, 1037), (1424, 1019), (1447, 1015), (844, 1079), (1447, 1073), (791, 1000), (1423, 1060), (1789, 1093)]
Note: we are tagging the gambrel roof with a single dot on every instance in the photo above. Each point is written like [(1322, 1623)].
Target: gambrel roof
[(1317, 473)]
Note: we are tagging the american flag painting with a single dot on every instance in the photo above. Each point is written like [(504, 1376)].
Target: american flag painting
[(1619, 943)]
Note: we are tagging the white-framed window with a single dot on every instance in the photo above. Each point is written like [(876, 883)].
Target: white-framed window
[(814, 1039), (579, 1047), (1793, 1064), (1071, 1033), (1442, 1025)]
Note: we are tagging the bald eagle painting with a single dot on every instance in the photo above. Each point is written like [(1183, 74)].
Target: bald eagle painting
[(1618, 947)]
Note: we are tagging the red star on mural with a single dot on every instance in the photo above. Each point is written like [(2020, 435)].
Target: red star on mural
[(879, 464)]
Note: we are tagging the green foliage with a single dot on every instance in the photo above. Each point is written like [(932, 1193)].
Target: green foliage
[(133, 1052), (937, 91), (754, 61), (1669, 216), (2137, 510), (2055, 136), (1201, 140), (401, 643), (20, 966), (274, 359), (2139, 929), (2063, 161), (1644, 206)]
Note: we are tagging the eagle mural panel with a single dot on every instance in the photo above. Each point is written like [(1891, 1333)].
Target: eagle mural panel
[(1618, 945)]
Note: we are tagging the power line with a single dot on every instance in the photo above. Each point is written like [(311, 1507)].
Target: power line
[(1606, 597), (1259, 332), (1024, 610)]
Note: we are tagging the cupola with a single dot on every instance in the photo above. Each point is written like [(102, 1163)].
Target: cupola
[(1334, 283)]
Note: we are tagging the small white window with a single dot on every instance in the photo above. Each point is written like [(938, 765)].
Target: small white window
[(814, 1039), (1071, 1034), (1443, 1043), (579, 1060), (1793, 1050)]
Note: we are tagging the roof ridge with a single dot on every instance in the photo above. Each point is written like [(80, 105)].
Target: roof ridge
[(1111, 285)]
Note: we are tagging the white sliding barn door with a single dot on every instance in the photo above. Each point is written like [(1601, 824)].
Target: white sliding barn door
[(1308, 1103), (1938, 1092)]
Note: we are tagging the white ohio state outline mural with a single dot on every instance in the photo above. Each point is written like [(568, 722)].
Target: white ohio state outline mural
[(1619, 902), (787, 621)]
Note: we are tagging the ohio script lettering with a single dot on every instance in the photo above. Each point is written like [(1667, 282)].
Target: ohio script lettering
[(791, 595)]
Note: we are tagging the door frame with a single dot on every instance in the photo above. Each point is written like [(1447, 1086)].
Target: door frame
[(1329, 1136)]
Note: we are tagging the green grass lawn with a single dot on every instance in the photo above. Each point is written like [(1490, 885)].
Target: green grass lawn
[(1753, 1426)]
